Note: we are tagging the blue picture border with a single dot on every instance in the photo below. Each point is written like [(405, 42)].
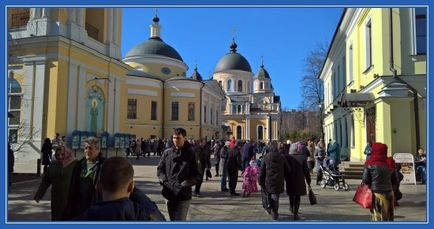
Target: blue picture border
[(126, 3)]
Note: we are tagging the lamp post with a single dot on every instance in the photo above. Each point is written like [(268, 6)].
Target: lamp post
[(320, 105)]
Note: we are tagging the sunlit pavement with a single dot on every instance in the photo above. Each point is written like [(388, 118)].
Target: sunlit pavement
[(214, 205)]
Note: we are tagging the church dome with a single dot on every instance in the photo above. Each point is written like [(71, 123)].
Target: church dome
[(153, 46), (262, 73), (233, 61)]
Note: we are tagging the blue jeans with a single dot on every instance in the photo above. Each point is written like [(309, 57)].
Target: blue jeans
[(178, 210), (422, 172), (224, 177)]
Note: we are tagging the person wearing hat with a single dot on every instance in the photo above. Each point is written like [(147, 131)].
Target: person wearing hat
[(378, 175), (224, 166)]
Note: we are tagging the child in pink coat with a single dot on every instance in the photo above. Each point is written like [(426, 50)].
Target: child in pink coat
[(250, 178)]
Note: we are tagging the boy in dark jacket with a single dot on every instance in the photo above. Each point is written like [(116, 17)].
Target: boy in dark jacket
[(116, 184)]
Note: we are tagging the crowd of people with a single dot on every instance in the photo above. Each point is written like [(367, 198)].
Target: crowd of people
[(84, 189)]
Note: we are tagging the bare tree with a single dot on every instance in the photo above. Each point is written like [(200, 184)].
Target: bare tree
[(312, 89)]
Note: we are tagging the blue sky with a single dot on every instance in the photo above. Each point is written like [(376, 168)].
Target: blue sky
[(283, 36)]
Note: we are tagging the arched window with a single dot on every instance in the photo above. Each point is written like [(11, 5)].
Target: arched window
[(260, 132), (240, 86), (239, 132), (229, 87), (239, 109), (14, 109), (261, 85)]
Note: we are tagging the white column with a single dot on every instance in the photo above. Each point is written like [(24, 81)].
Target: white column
[(109, 37), (72, 15), (27, 104), (82, 98), (38, 109), (72, 98), (81, 16), (115, 26), (45, 13), (247, 128)]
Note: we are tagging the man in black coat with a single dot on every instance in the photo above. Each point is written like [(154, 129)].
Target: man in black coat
[(178, 172), (203, 162), (234, 164)]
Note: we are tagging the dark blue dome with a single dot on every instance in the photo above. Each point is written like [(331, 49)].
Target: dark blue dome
[(262, 73), (233, 61), (154, 46)]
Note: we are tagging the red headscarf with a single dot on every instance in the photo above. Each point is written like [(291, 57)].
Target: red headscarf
[(232, 142), (378, 155)]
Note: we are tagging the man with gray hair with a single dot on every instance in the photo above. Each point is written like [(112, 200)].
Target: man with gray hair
[(84, 177)]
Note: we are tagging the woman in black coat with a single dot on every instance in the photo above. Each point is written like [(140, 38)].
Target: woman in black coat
[(47, 151), (271, 178), (295, 179)]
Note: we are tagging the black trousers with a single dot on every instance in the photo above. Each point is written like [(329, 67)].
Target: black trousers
[(233, 178), (199, 184), (217, 168), (294, 204)]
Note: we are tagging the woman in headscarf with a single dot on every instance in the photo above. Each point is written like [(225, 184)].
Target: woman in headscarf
[(378, 175), (296, 177), (58, 176)]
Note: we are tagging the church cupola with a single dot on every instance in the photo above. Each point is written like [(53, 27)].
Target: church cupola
[(155, 28)]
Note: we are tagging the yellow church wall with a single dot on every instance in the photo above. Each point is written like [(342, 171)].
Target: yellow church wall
[(57, 98), (254, 122), (359, 137), (155, 69)]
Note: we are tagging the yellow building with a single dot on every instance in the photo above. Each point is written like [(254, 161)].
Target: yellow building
[(375, 81), (252, 110), (66, 74)]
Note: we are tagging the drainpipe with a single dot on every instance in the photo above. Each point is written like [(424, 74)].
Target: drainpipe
[(412, 89), (200, 111), (162, 110)]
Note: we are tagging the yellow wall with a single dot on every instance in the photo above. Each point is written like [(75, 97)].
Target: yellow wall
[(155, 69)]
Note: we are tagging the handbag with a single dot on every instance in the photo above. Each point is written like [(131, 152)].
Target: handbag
[(208, 173), (312, 197), (363, 196)]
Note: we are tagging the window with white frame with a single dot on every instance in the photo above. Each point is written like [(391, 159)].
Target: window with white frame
[(14, 108), (368, 45), (420, 30), (229, 86), (132, 109), (240, 86)]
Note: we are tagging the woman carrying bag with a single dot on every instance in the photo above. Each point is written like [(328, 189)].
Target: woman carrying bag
[(379, 177)]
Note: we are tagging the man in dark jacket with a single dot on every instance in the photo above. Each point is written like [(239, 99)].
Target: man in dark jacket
[(271, 178), (203, 162), (178, 172), (84, 178), (234, 164)]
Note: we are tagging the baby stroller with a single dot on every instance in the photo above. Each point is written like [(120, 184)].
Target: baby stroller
[(333, 178)]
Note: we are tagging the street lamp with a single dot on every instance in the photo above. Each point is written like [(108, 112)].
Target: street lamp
[(320, 105)]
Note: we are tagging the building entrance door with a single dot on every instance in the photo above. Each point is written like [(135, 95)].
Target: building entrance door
[(370, 124)]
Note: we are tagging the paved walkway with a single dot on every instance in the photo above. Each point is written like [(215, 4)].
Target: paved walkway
[(217, 206)]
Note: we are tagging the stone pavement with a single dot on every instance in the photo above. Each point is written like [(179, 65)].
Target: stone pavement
[(214, 205)]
